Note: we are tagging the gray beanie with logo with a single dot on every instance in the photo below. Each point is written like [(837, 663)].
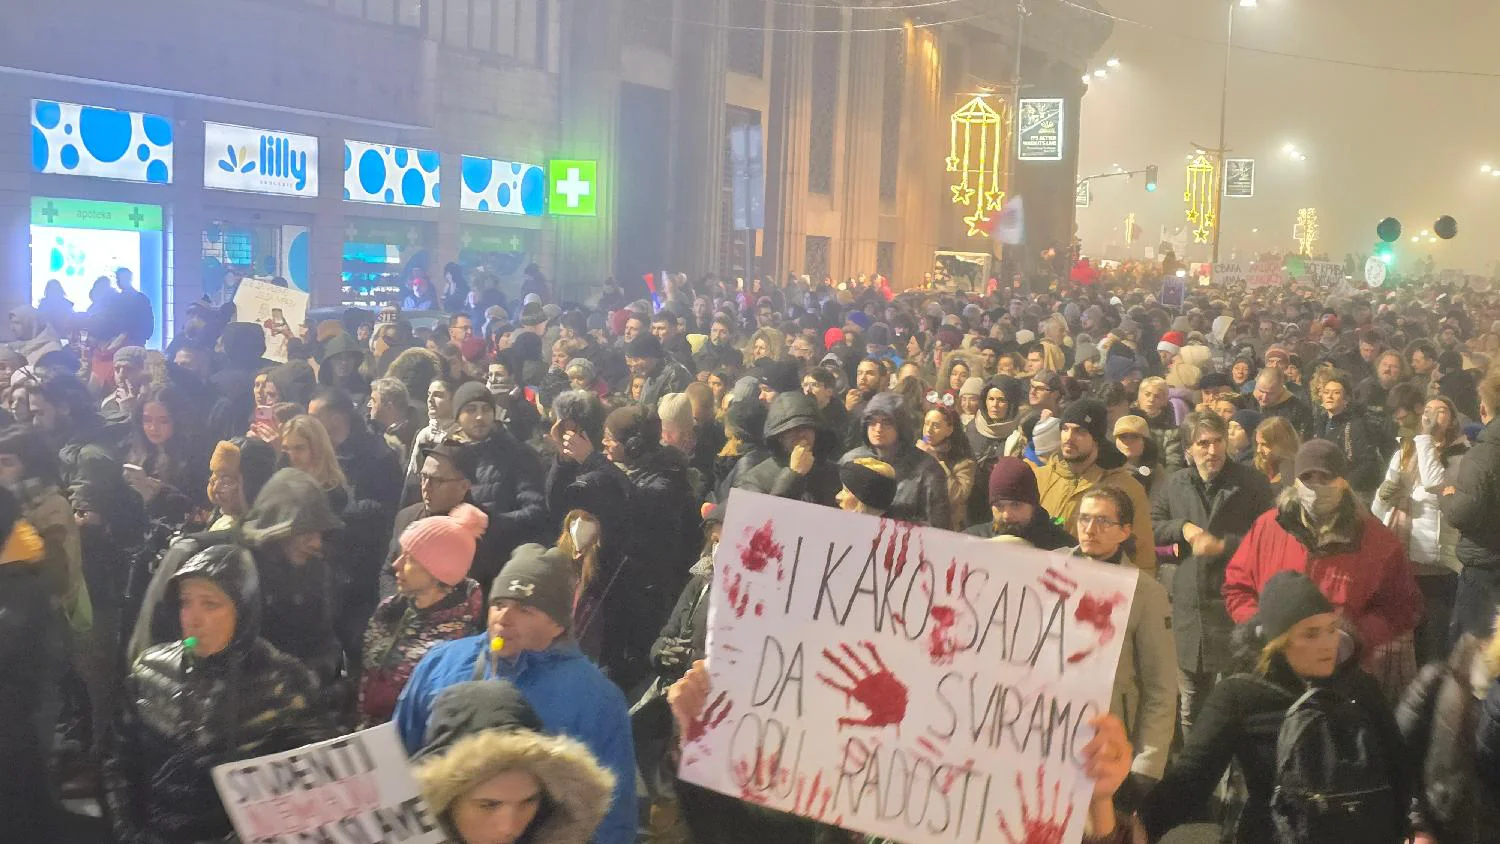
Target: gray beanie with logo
[(539, 577)]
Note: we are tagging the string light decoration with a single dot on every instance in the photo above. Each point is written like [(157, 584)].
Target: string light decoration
[(1202, 196), (978, 136), (1306, 230)]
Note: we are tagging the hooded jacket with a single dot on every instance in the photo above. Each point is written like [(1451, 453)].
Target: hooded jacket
[(921, 484), (508, 486), (400, 634), (576, 789), (182, 714), (234, 384), (567, 691), (1476, 498), (1368, 580), (821, 484)]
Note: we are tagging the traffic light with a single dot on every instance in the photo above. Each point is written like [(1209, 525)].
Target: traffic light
[(1151, 179), (1385, 253)]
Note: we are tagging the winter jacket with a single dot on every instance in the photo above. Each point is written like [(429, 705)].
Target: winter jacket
[(1295, 411), (1437, 717), (1487, 739), (30, 635), (774, 476), (1061, 490), (182, 714), (684, 638), (1369, 580), (577, 788), (1357, 440), (1419, 494), (508, 487), (1240, 722), (921, 484), (670, 377), (567, 691), (1145, 690), (716, 358), (400, 634), (1473, 506), (1041, 532), (1168, 436), (375, 479), (1226, 507)]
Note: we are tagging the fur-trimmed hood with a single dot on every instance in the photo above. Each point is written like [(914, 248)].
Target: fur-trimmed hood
[(577, 789)]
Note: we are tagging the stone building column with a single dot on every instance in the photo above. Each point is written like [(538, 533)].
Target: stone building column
[(920, 193), (700, 73), (588, 122), (787, 143), (860, 199)]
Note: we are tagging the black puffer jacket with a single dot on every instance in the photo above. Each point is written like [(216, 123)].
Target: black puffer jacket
[(1358, 440), (508, 487), (921, 485), (1437, 717), (774, 476), (1475, 500), (183, 714)]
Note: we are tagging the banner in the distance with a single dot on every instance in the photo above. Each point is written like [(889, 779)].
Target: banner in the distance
[(903, 681)]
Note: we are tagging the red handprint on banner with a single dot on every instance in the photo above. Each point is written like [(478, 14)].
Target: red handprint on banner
[(1043, 827), (876, 687), (713, 715)]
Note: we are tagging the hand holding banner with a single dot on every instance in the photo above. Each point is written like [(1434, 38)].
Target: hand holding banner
[(904, 681)]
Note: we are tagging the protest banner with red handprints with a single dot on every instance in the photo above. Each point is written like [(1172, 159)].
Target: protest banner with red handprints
[(903, 681)]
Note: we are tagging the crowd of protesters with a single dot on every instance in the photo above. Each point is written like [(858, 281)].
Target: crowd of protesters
[(208, 556)]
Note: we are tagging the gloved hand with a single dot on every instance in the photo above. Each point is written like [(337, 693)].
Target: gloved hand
[(676, 654), (1387, 490)]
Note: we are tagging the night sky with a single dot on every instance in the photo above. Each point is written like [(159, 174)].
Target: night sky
[(1378, 143)]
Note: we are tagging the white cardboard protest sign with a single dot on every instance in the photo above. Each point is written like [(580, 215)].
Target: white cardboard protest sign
[(904, 681), (279, 311), (352, 788)]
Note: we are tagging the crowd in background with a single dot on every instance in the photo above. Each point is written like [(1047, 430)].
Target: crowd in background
[(211, 556)]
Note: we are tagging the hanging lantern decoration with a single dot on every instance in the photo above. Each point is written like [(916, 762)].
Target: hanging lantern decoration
[(1202, 196), (1130, 228), (1305, 232), (979, 135)]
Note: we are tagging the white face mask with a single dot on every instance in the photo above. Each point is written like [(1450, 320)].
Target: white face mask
[(584, 533), (1319, 499)]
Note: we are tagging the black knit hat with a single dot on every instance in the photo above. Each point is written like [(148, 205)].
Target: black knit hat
[(463, 709), (872, 488), (644, 346), (1090, 415), (471, 391), (537, 577), (1287, 598), (780, 376)]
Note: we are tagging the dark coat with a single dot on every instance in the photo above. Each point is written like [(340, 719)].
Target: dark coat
[(670, 377), (1358, 440), (27, 618), (774, 476), (921, 484), (1473, 506), (400, 634), (1240, 721), (1487, 740), (375, 477), (182, 714), (1226, 508), (508, 487), (1437, 717), (1294, 410), (684, 638), (716, 358)]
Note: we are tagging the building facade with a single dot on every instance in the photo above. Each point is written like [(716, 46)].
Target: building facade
[(340, 143)]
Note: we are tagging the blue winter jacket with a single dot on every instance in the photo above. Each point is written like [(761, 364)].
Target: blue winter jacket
[(567, 691)]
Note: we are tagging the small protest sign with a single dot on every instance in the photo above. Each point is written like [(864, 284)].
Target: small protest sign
[(904, 681), (279, 311), (353, 788)]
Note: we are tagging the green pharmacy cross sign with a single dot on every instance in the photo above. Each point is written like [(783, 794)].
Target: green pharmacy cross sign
[(572, 188), (88, 214)]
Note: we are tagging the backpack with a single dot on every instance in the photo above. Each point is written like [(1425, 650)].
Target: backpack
[(1332, 781)]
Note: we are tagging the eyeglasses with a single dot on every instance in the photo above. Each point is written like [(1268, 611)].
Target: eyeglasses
[(1040, 388), (1101, 522), (435, 480)]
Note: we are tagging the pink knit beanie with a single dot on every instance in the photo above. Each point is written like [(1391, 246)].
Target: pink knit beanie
[(444, 545)]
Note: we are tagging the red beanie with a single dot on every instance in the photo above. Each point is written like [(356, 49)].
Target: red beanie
[(444, 545), (1013, 480), (831, 336)]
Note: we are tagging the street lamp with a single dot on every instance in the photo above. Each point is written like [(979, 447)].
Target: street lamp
[(1224, 117), (1112, 63)]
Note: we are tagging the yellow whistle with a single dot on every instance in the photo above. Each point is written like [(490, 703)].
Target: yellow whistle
[(497, 644)]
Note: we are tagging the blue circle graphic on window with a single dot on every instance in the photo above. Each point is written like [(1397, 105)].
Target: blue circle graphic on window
[(428, 160), (143, 152), (157, 173), (105, 132), (533, 192), (437, 193), (401, 156), (69, 157), (413, 188), (40, 150), (158, 130), (47, 114), (477, 172), (504, 194), (296, 261), (371, 172)]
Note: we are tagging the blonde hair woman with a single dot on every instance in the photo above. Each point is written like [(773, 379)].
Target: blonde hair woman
[(1276, 444), (766, 344), (305, 445)]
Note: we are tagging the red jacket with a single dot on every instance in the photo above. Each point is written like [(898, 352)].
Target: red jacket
[(1375, 587)]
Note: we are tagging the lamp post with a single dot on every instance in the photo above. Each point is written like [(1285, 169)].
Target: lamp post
[(1224, 117)]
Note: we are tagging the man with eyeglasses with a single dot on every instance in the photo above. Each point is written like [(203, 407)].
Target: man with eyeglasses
[(445, 479), (1045, 392), (1145, 690)]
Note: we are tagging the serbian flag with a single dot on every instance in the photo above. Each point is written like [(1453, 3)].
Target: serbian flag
[(650, 279)]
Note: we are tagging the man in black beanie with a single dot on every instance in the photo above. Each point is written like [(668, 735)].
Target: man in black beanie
[(663, 376), (1088, 458), (1016, 509), (529, 642)]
